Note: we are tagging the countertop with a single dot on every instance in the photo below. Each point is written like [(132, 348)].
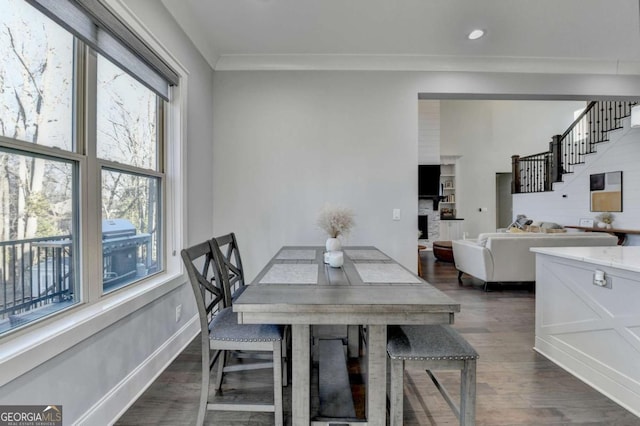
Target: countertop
[(622, 257)]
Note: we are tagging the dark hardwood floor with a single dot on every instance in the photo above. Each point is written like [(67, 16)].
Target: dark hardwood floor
[(516, 386)]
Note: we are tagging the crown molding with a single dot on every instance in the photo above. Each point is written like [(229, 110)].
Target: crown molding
[(187, 22), (270, 62)]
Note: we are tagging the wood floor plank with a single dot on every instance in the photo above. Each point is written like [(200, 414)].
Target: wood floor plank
[(515, 385)]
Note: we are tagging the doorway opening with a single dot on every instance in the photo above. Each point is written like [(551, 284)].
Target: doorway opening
[(504, 202)]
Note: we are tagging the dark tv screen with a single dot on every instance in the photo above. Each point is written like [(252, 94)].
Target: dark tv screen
[(428, 180)]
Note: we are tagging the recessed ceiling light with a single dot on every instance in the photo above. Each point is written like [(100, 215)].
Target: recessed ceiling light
[(475, 34)]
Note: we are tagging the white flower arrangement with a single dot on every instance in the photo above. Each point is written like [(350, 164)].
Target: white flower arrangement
[(335, 220), (605, 217)]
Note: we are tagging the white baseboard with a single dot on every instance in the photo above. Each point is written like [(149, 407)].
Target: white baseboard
[(117, 401)]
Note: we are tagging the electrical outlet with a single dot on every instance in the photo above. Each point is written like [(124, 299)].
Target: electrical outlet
[(178, 312), (602, 280)]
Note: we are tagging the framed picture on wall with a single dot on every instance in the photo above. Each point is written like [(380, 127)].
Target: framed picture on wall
[(606, 192)]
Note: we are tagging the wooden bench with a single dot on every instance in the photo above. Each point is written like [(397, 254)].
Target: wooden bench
[(433, 347)]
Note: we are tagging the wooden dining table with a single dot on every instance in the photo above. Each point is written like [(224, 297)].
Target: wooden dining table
[(297, 288)]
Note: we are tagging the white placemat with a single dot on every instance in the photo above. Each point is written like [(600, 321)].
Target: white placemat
[(385, 273), (296, 254), (291, 273), (366, 255)]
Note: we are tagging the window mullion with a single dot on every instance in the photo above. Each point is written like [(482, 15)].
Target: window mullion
[(91, 188), (113, 165), (41, 150)]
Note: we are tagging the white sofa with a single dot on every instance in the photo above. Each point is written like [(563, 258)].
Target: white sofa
[(505, 257)]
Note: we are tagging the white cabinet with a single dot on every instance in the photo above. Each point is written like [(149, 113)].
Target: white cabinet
[(588, 328), (451, 229)]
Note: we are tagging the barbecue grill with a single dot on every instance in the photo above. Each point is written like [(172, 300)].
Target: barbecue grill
[(120, 244)]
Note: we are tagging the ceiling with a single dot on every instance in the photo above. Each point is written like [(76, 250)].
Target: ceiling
[(595, 36)]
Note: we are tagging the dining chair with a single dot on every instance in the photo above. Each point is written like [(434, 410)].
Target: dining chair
[(221, 333), (230, 259), (228, 246)]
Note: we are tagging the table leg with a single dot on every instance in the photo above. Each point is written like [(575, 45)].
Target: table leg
[(301, 374), (353, 341), (376, 375)]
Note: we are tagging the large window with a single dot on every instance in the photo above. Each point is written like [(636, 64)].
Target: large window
[(127, 134), (81, 142)]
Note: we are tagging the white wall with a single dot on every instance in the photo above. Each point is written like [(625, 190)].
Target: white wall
[(487, 133), (99, 377), (286, 142), (428, 131), (569, 202)]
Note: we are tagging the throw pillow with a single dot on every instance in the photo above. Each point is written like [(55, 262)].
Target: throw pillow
[(522, 220)]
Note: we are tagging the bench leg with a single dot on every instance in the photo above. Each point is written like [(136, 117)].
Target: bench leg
[(468, 393), (396, 394)]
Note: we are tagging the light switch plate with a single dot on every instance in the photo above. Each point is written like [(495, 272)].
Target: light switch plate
[(396, 214)]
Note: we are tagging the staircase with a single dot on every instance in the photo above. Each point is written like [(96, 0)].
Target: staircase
[(538, 172)]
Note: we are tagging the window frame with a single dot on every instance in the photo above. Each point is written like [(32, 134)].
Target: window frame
[(90, 136), (28, 346)]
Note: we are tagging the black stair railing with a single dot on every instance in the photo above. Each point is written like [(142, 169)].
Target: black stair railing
[(538, 172)]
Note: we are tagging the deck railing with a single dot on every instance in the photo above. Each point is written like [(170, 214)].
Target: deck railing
[(33, 273)]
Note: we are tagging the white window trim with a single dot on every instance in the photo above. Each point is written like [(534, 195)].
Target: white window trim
[(40, 341)]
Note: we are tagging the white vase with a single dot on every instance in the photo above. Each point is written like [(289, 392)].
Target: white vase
[(333, 244)]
